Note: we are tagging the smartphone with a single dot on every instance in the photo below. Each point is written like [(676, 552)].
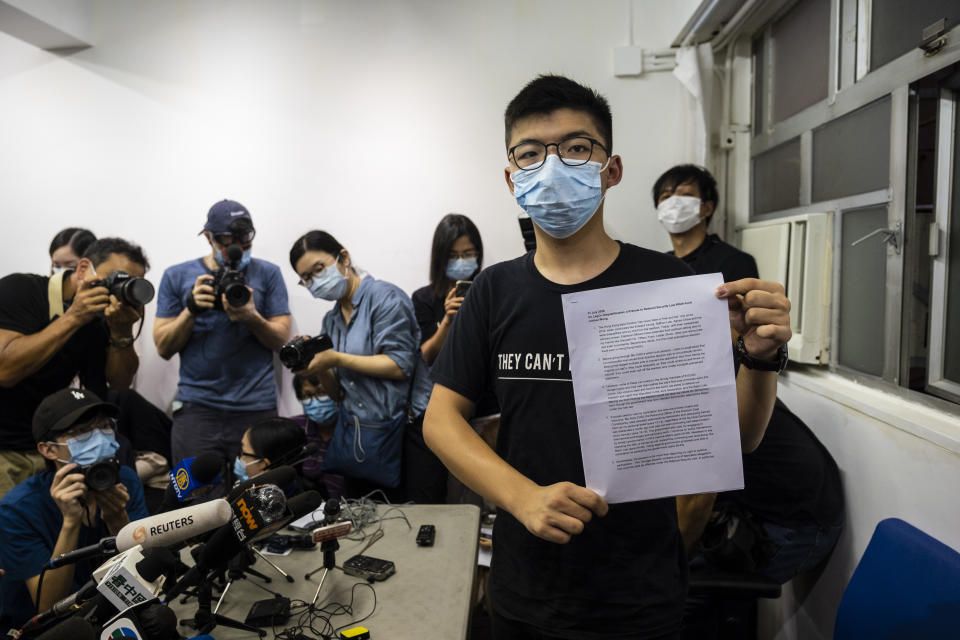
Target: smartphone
[(462, 286), (369, 568)]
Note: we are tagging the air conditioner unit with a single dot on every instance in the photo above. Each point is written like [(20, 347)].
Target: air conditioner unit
[(797, 252)]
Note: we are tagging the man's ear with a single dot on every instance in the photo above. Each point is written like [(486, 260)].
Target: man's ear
[(706, 209), (48, 451), (84, 270), (506, 176), (614, 171)]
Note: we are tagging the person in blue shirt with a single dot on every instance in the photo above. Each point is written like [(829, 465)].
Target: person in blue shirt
[(375, 358), (55, 512), (226, 352)]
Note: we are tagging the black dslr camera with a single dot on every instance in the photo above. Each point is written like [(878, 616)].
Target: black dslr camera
[(230, 282), (101, 475), (298, 353), (130, 290)]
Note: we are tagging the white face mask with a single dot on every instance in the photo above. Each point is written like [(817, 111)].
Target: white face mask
[(679, 213)]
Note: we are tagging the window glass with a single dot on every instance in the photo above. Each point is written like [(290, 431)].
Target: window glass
[(776, 178), (801, 53), (852, 154), (861, 324), (951, 356), (897, 25)]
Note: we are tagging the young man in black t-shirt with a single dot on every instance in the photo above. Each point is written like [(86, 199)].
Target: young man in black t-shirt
[(53, 329), (566, 564), (792, 485)]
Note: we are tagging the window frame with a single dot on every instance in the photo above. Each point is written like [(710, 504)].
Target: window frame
[(946, 139), (853, 85)]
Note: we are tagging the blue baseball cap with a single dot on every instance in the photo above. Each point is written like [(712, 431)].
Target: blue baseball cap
[(222, 215)]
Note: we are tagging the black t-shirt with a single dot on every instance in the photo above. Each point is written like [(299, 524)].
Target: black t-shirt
[(429, 310), (715, 255), (625, 575), (790, 479), (24, 308)]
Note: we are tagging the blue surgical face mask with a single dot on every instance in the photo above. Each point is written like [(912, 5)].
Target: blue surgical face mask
[(91, 447), (244, 260), (461, 268), (329, 284), (240, 469), (320, 409), (559, 199)]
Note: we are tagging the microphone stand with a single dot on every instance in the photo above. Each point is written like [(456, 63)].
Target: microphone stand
[(329, 548), (239, 569), (205, 619)]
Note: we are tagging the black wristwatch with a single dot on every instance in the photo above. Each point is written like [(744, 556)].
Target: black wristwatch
[(778, 364)]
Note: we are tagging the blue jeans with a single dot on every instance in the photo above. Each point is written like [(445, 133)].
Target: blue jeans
[(798, 550)]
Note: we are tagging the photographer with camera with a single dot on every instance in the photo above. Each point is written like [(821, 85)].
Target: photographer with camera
[(225, 314), (55, 328), (82, 496), (375, 358)]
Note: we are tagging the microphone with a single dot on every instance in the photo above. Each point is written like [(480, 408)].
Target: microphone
[(106, 546), (134, 576), (192, 473), (63, 606), (257, 507), (148, 620), (174, 526), (281, 476), (333, 527), (224, 544), (296, 456), (297, 507), (75, 628)]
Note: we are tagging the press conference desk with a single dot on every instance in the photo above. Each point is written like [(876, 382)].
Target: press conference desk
[(428, 597)]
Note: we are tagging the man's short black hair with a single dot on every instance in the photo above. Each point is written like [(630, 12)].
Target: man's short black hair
[(102, 249), (682, 174), (547, 93)]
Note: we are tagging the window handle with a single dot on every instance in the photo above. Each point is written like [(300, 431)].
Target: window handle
[(890, 236)]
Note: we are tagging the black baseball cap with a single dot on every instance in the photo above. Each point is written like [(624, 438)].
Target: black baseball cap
[(63, 409)]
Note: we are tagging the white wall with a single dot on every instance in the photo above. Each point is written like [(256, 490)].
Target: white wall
[(368, 119), (887, 472)]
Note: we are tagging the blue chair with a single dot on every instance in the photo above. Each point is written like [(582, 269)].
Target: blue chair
[(907, 585)]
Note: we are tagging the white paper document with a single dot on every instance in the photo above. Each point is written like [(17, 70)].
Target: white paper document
[(652, 368)]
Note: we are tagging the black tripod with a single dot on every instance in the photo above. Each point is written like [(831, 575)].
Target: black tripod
[(204, 620), (239, 569)]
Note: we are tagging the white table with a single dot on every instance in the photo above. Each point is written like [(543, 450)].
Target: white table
[(429, 596)]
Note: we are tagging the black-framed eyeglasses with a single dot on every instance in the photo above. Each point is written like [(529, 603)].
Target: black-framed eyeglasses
[(465, 255), (575, 151), (227, 239), (244, 454), (83, 432)]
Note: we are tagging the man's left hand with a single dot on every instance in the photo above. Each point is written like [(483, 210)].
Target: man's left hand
[(121, 318), (760, 312), (113, 504), (244, 314)]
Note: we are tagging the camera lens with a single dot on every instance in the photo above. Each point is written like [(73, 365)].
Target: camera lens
[(237, 294), (137, 292), (102, 475)]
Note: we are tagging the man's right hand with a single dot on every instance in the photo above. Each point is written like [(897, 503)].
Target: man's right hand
[(558, 511), (203, 292), (66, 491), (88, 302)]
